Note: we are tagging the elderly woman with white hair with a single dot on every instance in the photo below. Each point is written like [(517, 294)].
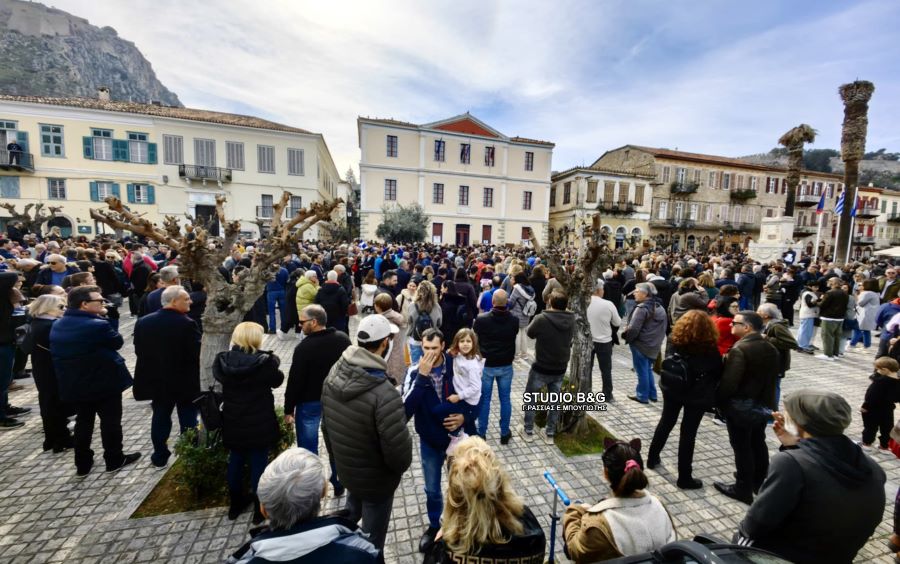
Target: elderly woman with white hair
[(290, 493), (644, 334), (776, 331)]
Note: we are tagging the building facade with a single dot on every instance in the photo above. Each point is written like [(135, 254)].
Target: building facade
[(158, 160), (707, 202), (623, 201), (476, 185)]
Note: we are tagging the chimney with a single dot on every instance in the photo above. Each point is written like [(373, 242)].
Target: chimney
[(103, 93)]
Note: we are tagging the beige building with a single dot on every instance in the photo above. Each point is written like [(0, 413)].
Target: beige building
[(476, 184), (887, 226), (158, 159), (707, 201), (623, 200)]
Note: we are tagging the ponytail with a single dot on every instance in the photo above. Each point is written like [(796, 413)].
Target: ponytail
[(624, 465)]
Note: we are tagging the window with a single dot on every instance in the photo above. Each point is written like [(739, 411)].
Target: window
[(697, 172), (526, 200), (392, 145), (265, 155), (437, 232), (772, 186), (267, 207), (694, 212), (103, 145), (56, 188), (830, 190), (488, 197), (296, 204), (592, 191), (488, 156), (567, 193), (679, 210), (390, 190), (740, 181), (234, 155), (439, 150), (681, 175), (663, 210), (883, 206), (639, 194), (665, 173), (553, 196), (137, 148), (723, 212), (437, 194), (529, 160), (754, 183), (9, 187), (173, 149), (141, 194), (295, 162), (737, 214), (749, 215), (623, 192), (465, 153), (707, 213), (104, 190), (464, 195), (526, 234), (205, 152), (52, 141), (609, 191), (726, 181), (712, 179)]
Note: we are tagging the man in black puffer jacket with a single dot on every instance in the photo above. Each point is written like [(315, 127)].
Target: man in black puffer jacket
[(370, 459)]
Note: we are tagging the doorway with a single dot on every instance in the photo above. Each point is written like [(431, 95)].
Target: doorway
[(207, 215), (65, 226), (462, 235)]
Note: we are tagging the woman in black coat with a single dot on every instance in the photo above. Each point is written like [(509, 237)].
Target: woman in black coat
[(250, 427), (465, 289), (454, 311), (44, 311), (538, 281), (694, 339)]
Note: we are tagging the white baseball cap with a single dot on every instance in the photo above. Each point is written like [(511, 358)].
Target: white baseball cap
[(375, 328)]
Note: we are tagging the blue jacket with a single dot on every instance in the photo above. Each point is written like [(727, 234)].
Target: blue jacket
[(44, 276), (885, 313), (421, 401), (83, 347), (279, 284)]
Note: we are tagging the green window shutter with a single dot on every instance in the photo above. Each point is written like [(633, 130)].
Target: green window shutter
[(151, 194), (120, 150), (88, 144), (130, 189), (22, 139), (95, 192), (116, 192), (151, 153)]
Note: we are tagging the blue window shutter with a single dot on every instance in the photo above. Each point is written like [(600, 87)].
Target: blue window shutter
[(22, 139), (120, 150), (130, 189), (151, 194), (88, 144), (116, 192), (95, 192), (151, 153)]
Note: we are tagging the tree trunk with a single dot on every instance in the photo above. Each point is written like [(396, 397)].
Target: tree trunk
[(795, 163), (855, 96), (212, 344)]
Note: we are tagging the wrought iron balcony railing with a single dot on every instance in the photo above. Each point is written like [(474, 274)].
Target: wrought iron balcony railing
[(616, 208), (683, 188), (16, 160), (806, 200), (200, 172)]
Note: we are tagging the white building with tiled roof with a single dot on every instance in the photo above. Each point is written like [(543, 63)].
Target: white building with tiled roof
[(159, 160), (476, 184)]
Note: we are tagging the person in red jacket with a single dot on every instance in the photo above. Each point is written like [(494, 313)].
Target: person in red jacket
[(725, 309)]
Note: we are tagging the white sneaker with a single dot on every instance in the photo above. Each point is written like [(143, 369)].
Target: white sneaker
[(280, 334), (824, 357), (528, 437)]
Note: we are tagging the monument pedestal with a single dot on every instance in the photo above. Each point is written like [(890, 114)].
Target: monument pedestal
[(776, 235)]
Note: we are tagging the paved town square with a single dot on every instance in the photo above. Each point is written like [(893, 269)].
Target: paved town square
[(52, 516)]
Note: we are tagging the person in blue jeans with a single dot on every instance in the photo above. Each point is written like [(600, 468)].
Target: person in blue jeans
[(644, 334), (425, 391), (497, 330), (313, 358), (276, 292)]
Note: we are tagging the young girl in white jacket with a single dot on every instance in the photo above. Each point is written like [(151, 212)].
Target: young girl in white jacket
[(467, 369)]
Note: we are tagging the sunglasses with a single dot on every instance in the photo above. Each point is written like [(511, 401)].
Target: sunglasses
[(733, 323)]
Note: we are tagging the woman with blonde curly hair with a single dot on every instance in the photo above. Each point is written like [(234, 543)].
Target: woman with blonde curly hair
[(483, 515), (694, 354)]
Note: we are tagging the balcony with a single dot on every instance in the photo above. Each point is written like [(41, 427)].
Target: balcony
[(673, 223), (20, 162), (804, 230), (683, 188), (806, 200), (864, 240), (616, 208), (867, 212), (737, 226), (894, 218), (204, 173), (743, 195)]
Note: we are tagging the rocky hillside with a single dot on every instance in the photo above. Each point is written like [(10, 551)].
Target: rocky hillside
[(48, 52)]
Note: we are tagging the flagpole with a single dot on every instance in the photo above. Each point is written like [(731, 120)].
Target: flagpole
[(818, 236), (852, 222), (837, 234)]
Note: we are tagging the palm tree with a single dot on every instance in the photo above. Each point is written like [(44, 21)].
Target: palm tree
[(794, 140), (856, 96)]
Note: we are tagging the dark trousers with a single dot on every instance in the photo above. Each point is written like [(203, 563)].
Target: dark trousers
[(53, 411), (787, 310), (690, 422), (257, 458), (161, 426), (877, 420), (110, 412), (603, 352), (134, 302), (375, 515), (751, 455)]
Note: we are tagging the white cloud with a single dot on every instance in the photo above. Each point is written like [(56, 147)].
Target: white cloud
[(588, 76)]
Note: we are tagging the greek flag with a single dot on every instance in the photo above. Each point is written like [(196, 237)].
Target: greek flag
[(855, 206), (839, 207), (363, 245)]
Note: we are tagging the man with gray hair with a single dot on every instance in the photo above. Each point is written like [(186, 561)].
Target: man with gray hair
[(167, 372), (644, 334), (168, 276), (334, 299), (604, 320), (776, 331), (290, 492)]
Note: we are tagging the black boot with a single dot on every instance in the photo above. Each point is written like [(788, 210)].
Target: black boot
[(238, 505), (257, 512), (734, 491)]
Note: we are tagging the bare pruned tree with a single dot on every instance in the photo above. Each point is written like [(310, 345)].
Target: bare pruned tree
[(794, 140), (200, 255), (31, 223)]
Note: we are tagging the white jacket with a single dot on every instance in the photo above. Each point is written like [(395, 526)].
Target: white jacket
[(467, 378)]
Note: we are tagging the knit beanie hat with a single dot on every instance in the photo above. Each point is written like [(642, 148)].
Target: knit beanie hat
[(820, 413)]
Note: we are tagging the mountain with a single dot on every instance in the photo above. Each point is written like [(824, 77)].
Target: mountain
[(880, 168), (48, 52)]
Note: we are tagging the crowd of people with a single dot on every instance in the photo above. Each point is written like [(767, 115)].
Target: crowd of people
[(438, 328)]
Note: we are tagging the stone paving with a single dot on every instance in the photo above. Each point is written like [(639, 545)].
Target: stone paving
[(49, 515)]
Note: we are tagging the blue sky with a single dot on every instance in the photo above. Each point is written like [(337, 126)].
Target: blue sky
[(718, 77)]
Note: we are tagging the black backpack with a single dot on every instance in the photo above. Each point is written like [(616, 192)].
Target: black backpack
[(676, 377), (423, 323), (462, 313)]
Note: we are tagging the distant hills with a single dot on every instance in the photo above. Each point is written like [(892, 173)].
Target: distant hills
[(48, 52), (880, 168)]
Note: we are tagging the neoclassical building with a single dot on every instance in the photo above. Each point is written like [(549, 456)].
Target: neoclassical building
[(476, 184)]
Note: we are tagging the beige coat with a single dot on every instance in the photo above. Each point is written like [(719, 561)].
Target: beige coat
[(396, 363)]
